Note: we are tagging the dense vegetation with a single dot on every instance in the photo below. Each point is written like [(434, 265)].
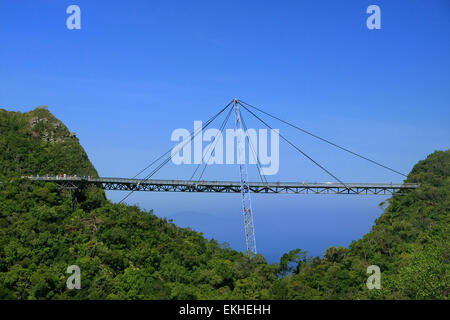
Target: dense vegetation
[(409, 242), (127, 253)]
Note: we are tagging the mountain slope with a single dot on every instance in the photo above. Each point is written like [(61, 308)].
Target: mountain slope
[(410, 242), (127, 253), (37, 143), (123, 252)]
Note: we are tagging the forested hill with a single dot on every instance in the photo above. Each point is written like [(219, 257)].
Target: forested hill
[(37, 143), (127, 253), (410, 242), (123, 252)]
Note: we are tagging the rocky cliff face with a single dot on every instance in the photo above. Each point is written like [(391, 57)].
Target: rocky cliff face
[(47, 128), (36, 142)]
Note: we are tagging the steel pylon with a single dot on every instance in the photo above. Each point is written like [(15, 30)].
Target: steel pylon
[(245, 190)]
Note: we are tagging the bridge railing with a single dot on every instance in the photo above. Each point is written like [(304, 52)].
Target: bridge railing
[(327, 185)]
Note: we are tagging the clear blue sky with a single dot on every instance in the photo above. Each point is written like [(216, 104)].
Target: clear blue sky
[(137, 70)]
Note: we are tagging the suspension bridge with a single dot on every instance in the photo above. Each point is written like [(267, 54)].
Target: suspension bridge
[(243, 186)]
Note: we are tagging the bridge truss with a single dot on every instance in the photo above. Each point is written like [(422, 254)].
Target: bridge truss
[(153, 185)]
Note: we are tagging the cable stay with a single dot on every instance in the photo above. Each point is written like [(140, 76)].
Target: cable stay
[(322, 139), (222, 127), (295, 147), (167, 156), (255, 154), (192, 136)]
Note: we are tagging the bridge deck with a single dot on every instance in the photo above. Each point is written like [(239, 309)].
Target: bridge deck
[(123, 184)]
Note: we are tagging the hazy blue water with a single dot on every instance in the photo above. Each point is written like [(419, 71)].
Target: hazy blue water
[(282, 222)]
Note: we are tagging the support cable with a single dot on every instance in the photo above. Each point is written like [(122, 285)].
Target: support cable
[(325, 140), (258, 164), (297, 148), (192, 135), (208, 122), (222, 127), (209, 147)]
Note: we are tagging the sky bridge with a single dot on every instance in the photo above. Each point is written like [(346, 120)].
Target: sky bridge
[(156, 185), (244, 186)]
